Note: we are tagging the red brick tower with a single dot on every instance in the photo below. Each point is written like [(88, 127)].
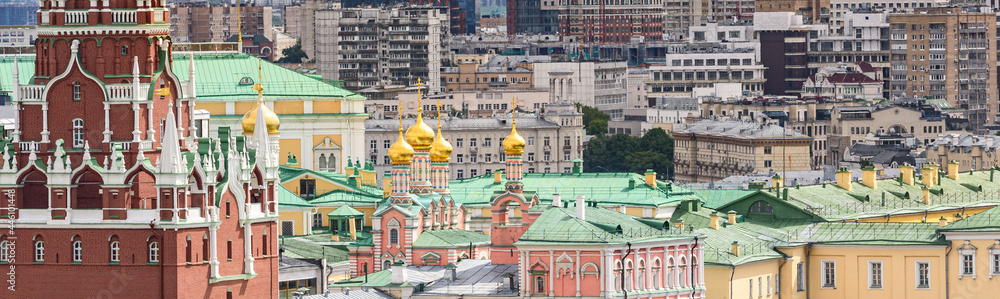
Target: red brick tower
[(108, 192)]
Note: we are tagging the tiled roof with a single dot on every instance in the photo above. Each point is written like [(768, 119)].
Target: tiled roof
[(344, 196), (288, 199), (218, 78), (753, 246), (850, 78), (740, 129), (865, 67), (378, 279), (965, 142), (602, 226), (450, 238), (606, 188), (988, 220)]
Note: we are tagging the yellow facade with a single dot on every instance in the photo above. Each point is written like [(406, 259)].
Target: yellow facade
[(326, 107), (289, 146), (932, 216), (243, 107), (289, 107), (745, 279), (213, 108), (322, 185), (367, 209), (984, 284), (297, 216)]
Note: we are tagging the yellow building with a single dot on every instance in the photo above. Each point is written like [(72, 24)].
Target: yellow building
[(711, 150), (974, 260), (324, 192)]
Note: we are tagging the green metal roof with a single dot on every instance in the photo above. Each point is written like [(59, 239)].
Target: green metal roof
[(715, 198), (606, 188), (378, 279), (25, 69), (345, 211), (286, 173), (346, 197), (602, 226), (873, 233), (218, 78), (288, 199), (988, 220), (753, 247), (450, 238)]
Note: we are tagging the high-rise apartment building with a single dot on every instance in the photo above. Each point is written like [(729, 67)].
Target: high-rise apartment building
[(369, 47), (812, 11), (785, 36), (300, 22), (526, 17), (201, 22), (608, 21), (946, 53)]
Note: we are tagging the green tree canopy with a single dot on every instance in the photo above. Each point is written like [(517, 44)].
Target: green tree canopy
[(625, 153), (595, 122), (293, 54)]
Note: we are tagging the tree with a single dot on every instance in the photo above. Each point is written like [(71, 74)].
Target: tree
[(625, 153), (590, 115), (597, 127), (293, 54)]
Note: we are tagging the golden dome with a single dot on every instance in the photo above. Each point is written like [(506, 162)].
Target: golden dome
[(440, 149), (420, 135), (514, 143), (270, 119), (401, 152)]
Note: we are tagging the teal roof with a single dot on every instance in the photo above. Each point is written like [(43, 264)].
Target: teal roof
[(833, 203), (345, 197), (873, 233), (288, 199), (602, 226), (715, 198), (450, 238), (378, 279), (219, 75), (606, 188), (753, 246), (345, 211), (286, 173), (988, 220), (25, 69)]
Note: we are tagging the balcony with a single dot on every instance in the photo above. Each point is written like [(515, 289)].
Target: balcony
[(76, 18), (29, 146), (123, 17), (31, 93)]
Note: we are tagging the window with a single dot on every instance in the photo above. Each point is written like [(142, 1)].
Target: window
[(767, 163), (77, 133), (77, 251), (473, 172), (459, 158), (874, 274), (458, 142), (967, 260), (154, 252), (487, 142), (761, 206), (768, 285), (539, 284), (39, 251), (472, 159), (829, 274), (489, 158), (760, 287), (124, 50), (460, 174), (531, 140), (472, 142), (968, 264), (923, 274), (531, 157), (767, 150), (751, 288), (374, 144), (995, 259), (229, 249), (393, 236), (386, 144), (76, 90), (4, 251)]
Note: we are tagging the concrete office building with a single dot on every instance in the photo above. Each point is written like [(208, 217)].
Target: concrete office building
[(599, 84), (200, 22)]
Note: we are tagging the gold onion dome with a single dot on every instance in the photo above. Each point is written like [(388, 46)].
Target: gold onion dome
[(420, 135), (270, 119), (514, 143), (440, 149), (401, 152)]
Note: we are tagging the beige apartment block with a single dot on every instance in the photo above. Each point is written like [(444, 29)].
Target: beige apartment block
[(470, 103), (205, 23), (850, 125), (711, 150), (972, 152), (949, 54)]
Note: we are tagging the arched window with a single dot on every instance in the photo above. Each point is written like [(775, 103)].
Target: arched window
[(761, 207), (40, 251), (618, 277), (628, 276), (694, 270), (77, 251), (539, 284), (641, 284), (77, 133), (187, 247), (154, 252), (204, 248), (115, 250), (76, 90), (386, 264), (393, 236), (683, 279), (656, 274), (322, 161), (670, 273), (4, 251)]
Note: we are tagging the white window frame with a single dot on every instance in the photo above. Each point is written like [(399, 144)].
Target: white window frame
[(872, 277), (800, 277), (916, 274), (966, 250), (994, 251), (116, 252), (154, 252), (77, 251), (78, 138), (769, 285), (824, 274), (4, 251), (39, 251)]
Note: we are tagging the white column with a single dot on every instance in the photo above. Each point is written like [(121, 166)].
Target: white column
[(608, 287), (136, 132), (577, 269), (552, 90), (45, 122), (569, 92), (150, 132), (107, 122), (552, 272), (214, 244), (180, 124), (648, 281), (247, 244)]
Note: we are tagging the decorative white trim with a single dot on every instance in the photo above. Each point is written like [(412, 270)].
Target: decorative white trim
[(916, 274), (994, 251), (966, 250), (872, 277), (823, 274)]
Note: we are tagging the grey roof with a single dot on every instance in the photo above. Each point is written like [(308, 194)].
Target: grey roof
[(359, 293), (287, 263), (527, 122), (474, 277), (740, 129), (965, 142)]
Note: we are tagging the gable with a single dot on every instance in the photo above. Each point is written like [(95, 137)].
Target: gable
[(780, 209)]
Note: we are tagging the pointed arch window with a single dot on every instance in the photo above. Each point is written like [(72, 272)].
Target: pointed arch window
[(77, 133), (4, 252), (39, 251), (154, 252), (77, 251), (115, 252)]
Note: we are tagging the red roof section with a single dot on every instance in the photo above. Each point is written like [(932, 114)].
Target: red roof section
[(865, 67), (850, 78)]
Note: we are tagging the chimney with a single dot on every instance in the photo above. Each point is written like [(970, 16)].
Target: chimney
[(927, 176), (936, 173), (631, 183), (347, 291), (844, 178), (868, 177), (906, 173), (942, 222), (736, 248), (778, 181), (398, 273), (621, 209), (651, 178), (713, 221), (498, 176), (680, 224), (927, 195), (581, 204), (732, 217), (556, 200), (953, 170), (386, 185)]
